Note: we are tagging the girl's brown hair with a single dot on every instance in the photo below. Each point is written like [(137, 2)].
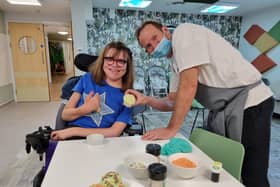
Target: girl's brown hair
[(97, 68)]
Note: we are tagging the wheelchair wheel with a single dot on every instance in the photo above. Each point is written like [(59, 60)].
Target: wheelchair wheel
[(38, 179)]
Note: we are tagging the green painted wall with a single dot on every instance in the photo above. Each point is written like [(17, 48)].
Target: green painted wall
[(6, 93), (6, 87), (2, 22)]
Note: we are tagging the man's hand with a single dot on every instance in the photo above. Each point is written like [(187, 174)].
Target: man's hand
[(159, 134)]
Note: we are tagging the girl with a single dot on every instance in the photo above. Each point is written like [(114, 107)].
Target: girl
[(96, 105)]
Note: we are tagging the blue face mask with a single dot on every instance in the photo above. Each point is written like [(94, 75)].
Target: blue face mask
[(162, 49)]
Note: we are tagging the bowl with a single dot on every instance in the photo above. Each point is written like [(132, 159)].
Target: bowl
[(138, 163), (95, 139), (184, 165)]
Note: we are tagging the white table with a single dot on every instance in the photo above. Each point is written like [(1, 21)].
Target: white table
[(77, 164)]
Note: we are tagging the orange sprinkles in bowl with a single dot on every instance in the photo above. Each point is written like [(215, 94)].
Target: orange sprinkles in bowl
[(184, 162)]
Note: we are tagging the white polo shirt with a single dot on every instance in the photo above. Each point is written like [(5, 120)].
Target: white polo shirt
[(220, 64)]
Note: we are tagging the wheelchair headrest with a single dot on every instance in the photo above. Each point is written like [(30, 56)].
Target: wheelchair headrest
[(82, 61)]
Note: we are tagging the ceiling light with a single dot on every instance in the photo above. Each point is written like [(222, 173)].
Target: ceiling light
[(62, 32), (70, 39), (220, 8), (25, 2), (135, 3)]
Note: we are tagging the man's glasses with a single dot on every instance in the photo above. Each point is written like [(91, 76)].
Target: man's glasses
[(111, 60)]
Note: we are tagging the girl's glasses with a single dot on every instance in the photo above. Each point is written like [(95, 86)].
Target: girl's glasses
[(111, 60)]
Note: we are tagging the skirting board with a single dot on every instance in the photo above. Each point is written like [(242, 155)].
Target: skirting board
[(2, 104), (6, 94)]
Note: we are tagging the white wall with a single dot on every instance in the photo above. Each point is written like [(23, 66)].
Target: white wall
[(265, 19), (67, 52), (80, 11)]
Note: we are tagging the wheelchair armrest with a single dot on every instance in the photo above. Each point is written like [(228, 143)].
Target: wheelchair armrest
[(59, 122), (134, 129)]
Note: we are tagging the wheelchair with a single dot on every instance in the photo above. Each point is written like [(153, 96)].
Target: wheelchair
[(40, 141)]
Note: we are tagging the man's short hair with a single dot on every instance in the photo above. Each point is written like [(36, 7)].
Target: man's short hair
[(154, 23)]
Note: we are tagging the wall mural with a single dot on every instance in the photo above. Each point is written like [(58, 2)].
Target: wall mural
[(112, 24), (264, 42)]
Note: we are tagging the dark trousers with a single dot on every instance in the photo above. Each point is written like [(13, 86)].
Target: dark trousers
[(256, 141)]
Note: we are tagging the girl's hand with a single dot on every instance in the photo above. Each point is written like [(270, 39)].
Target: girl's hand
[(61, 134), (92, 103)]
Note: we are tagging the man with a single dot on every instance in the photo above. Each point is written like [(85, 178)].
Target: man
[(209, 68)]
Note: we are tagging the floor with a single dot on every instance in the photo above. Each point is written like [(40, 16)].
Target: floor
[(55, 87), (19, 119)]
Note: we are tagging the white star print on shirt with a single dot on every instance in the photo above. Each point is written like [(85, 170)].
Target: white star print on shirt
[(104, 110)]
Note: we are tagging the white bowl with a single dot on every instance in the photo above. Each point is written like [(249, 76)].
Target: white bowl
[(95, 139), (184, 172), (138, 163)]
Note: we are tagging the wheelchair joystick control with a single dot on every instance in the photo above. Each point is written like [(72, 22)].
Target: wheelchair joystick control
[(38, 140)]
